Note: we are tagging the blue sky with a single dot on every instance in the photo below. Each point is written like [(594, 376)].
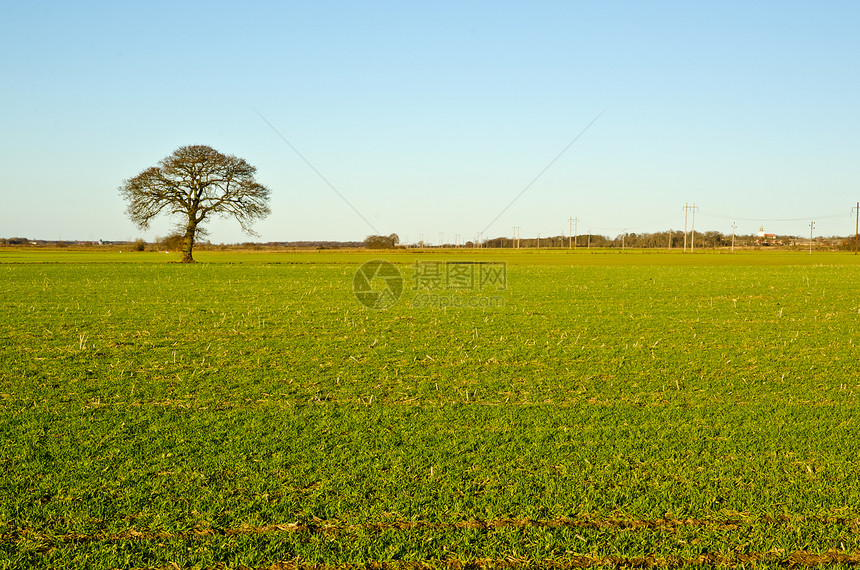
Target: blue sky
[(431, 117)]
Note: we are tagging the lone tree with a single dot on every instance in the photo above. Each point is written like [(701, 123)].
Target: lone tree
[(193, 183)]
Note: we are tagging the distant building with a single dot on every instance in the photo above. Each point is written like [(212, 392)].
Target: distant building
[(766, 239)]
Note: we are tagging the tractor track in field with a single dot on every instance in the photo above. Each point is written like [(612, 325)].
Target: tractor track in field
[(796, 559), (335, 527)]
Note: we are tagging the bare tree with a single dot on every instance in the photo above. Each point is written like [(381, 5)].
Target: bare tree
[(191, 184)]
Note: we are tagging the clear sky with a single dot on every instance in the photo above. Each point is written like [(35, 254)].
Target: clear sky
[(431, 117)]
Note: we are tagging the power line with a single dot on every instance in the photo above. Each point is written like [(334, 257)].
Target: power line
[(547, 167), (318, 173), (663, 220), (774, 220)]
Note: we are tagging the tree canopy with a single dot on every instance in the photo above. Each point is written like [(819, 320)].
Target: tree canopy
[(192, 184), (381, 242)]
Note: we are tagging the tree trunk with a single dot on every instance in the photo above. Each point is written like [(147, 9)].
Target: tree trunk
[(188, 243)]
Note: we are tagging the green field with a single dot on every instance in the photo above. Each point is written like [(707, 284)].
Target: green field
[(614, 409)]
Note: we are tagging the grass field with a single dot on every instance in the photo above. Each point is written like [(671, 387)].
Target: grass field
[(615, 409)]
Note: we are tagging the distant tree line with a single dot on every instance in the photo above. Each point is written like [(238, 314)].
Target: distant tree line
[(14, 241), (658, 240)]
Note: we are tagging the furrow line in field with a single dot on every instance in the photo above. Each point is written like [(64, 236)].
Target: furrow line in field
[(321, 526), (798, 558)]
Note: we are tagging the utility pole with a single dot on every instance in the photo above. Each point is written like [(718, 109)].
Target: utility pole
[(538, 241), (685, 227), (589, 239), (856, 227), (670, 239), (811, 225), (623, 235), (733, 236), (570, 234), (572, 231), (693, 231), (687, 208)]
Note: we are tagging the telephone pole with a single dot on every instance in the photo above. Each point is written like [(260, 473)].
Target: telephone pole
[(670, 239), (687, 208), (856, 227), (693, 231), (811, 225), (733, 236), (570, 234)]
